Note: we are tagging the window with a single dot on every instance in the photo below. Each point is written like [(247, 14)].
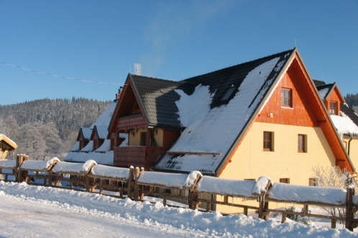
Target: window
[(284, 180), (286, 97), (143, 138), (313, 182), (302, 143), (333, 107), (268, 140)]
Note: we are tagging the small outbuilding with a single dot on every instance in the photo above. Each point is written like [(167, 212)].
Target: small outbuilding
[(6, 145)]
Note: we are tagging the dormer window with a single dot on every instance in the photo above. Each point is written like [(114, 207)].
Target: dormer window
[(333, 107), (286, 97)]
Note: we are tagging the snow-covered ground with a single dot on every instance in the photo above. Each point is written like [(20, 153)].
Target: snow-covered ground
[(36, 211)]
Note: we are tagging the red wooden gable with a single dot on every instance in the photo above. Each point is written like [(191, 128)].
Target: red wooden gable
[(307, 110)]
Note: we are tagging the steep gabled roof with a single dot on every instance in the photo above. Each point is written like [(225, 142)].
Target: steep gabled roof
[(157, 100), (325, 89), (155, 97), (226, 101)]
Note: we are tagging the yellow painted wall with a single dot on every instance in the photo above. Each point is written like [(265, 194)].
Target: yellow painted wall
[(158, 136), (134, 137), (134, 140), (250, 161)]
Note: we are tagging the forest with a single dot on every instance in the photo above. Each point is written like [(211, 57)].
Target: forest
[(48, 127)]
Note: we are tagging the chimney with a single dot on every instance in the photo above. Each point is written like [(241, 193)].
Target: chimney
[(137, 69), (119, 93)]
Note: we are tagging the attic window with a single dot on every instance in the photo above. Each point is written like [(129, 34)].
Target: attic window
[(286, 97), (333, 107), (228, 93)]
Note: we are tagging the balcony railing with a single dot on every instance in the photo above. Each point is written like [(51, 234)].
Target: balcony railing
[(137, 156)]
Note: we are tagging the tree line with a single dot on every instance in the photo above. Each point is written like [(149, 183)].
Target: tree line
[(352, 99), (48, 127)]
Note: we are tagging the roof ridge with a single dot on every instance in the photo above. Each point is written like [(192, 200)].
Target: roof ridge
[(243, 63), (153, 78)]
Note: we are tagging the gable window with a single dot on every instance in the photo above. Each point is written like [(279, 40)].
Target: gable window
[(302, 143), (286, 97), (268, 141), (333, 107)]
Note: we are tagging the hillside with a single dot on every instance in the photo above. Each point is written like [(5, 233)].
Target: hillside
[(46, 128)]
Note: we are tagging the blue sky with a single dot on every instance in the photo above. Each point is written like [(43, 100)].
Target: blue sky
[(61, 49)]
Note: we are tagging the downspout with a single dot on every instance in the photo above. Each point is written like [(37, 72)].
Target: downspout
[(349, 144)]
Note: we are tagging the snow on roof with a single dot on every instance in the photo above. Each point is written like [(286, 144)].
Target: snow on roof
[(309, 194), (100, 158), (344, 125), (174, 180), (8, 141), (74, 167), (214, 130), (39, 164), (240, 188), (11, 164), (88, 147), (109, 171), (102, 131), (105, 147), (76, 146), (105, 117), (86, 132)]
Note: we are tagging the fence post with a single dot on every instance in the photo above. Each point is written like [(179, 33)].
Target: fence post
[(351, 223), (130, 188), (20, 158), (263, 207), (137, 194), (193, 199), (349, 209)]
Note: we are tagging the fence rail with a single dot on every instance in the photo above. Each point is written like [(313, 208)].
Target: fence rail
[(191, 189)]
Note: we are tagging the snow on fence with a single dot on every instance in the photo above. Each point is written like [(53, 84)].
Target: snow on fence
[(189, 189), (37, 171), (166, 185), (110, 180)]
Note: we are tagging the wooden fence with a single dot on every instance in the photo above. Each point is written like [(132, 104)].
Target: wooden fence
[(191, 190)]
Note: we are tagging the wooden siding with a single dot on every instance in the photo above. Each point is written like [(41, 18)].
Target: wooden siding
[(131, 122), (298, 115), (169, 137), (137, 156)]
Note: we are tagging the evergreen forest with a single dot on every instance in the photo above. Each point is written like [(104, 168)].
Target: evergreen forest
[(46, 128)]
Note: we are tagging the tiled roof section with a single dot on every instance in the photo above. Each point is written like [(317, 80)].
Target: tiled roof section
[(157, 98), (350, 113), (225, 83)]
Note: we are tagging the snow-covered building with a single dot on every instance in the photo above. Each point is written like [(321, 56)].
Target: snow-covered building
[(262, 117), (344, 118), (6, 145), (92, 142)]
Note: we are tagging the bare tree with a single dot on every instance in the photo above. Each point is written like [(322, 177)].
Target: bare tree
[(332, 177)]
